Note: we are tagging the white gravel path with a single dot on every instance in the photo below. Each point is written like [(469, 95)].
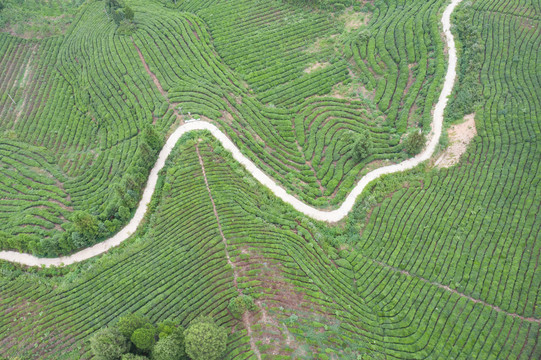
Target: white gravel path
[(329, 216)]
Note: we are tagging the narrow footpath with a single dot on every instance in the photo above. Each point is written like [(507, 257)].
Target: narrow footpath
[(245, 317)]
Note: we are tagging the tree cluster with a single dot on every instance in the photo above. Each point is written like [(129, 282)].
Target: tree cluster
[(134, 337), (87, 229), (119, 11)]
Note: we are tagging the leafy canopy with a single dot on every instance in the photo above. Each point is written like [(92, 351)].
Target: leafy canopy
[(144, 338), (415, 142), (205, 340), (109, 344), (127, 324)]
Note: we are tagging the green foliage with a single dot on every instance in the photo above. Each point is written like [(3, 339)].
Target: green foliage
[(122, 15), (131, 356), (472, 228), (118, 16), (170, 347), (128, 323), (168, 327), (205, 340), (37, 18), (108, 344), (240, 304), (324, 4), (128, 13), (152, 138), (85, 224), (415, 142), (362, 147), (467, 93), (144, 338)]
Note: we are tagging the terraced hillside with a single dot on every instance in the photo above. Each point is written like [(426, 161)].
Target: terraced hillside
[(294, 91), (215, 234), (432, 264)]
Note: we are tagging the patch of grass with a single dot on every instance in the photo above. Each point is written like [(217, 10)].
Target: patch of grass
[(37, 18)]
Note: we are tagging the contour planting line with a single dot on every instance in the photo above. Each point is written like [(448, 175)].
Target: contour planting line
[(264, 179)]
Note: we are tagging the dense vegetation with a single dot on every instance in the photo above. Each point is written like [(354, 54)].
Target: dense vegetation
[(295, 89), (432, 264), (312, 300), (135, 337)]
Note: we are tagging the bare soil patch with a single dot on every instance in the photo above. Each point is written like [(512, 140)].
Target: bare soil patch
[(354, 20), (460, 136), (316, 66)]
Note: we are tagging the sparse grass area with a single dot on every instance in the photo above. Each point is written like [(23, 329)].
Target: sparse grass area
[(37, 19)]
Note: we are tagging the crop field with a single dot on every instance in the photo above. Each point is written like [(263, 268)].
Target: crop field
[(292, 97), (431, 263)]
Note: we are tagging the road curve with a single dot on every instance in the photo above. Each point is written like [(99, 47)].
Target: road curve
[(329, 216)]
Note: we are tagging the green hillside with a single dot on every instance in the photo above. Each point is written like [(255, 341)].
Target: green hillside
[(293, 90), (433, 263)]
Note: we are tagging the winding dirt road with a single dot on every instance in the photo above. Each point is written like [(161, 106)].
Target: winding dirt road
[(329, 216)]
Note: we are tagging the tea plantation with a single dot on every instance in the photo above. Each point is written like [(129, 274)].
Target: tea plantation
[(432, 263)]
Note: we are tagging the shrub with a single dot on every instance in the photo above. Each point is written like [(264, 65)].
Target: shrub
[(128, 13), (415, 142), (240, 304), (86, 224), (109, 344), (127, 324), (204, 340), (144, 338), (168, 327), (362, 146), (170, 347)]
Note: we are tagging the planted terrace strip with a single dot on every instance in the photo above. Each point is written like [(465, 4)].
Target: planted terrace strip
[(476, 228), (262, 130), (265, 124), (245, 316), (85, 99), (193, 222), (184, 253), (329, 216), (447, 288), (404, 77)]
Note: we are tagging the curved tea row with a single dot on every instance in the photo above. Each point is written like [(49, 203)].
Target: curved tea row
[(329, 216)]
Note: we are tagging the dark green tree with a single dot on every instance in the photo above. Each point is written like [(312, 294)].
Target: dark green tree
[(130, 356), (128, 13), (168, 327), (86, 224), (240, 304), (128, 323), (204, 340), (170, 347), (362, 146), (118, 16), (415, 142), (144, 338), (152, 137), (109, 344)]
